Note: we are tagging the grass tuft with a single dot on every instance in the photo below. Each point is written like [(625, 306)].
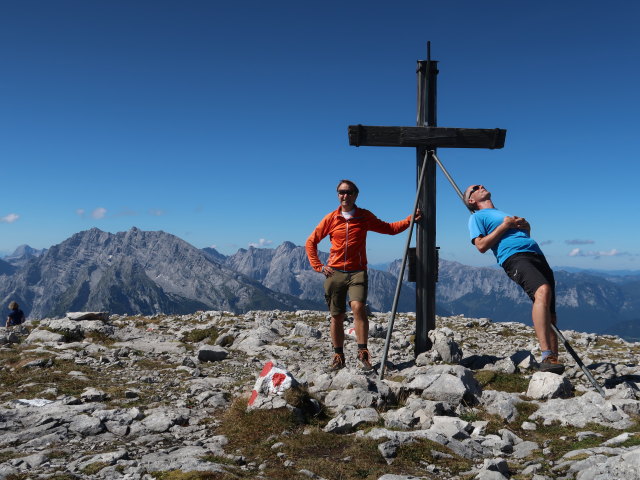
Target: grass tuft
[(199, 334), (505, 382)]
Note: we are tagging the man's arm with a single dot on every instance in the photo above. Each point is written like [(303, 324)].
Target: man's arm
[(380, 226), (311, 246), (485, 242)]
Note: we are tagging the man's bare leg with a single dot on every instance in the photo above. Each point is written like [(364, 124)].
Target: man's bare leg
[(542, 318), (360, 322), (552, 334), (337, 330)]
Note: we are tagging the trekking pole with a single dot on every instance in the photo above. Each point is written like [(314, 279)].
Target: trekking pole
[(575, 356), (404, 262), (564, 341)]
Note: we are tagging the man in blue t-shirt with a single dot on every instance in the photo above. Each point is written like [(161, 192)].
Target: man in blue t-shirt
[(520, 256)]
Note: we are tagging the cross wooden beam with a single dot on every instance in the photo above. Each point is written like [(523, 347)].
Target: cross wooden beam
[(430, 137), (426, 137)]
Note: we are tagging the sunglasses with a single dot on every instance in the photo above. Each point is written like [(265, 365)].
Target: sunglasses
[(473, 189), (345, 192)]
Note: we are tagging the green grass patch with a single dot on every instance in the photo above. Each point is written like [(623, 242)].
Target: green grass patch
[(180, 475), (94, 468), (526, 409), (505, 382), (101, 338), (332, 456), (632, 442), (199, 334), (423, 450)]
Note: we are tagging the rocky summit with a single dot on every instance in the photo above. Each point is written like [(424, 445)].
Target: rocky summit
[(94, 395)]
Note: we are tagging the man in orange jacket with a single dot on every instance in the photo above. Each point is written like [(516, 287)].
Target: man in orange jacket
[(346, 268)]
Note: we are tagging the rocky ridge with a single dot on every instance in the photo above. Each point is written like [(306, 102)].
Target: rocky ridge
[(137, 272), (108, 397)]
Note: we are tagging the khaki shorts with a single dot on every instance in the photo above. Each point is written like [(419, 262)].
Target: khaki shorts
[(339, 284)]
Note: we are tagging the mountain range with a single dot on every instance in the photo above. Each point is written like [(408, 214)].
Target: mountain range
[(143, 272)]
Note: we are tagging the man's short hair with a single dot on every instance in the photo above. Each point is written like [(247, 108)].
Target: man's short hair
[(13, 306), (467, 194), (352, 185)]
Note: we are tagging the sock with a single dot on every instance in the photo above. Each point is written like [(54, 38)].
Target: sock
[(339, 350), (545, 354), (362, 346)]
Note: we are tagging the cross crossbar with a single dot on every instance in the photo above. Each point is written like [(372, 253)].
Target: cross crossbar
[(431, 137)]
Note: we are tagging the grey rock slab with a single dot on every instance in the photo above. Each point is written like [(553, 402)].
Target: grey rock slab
[(523, 359), (582, 410), (30, 461), (446, 387), (525, 449), (470, 450), (93, 395), (212, 353), (159, 421), (445, 346), (43, 336), (7, 471), (303, 330), (501, 403), (389, 449), (255, 339), (490, 475), (104, 316), (545, 385), (624, 466), (186, 459), (452, 427), (392, 476), (342, 380), (8, 336), (151, 346), (402, 418), (356, 397), (79, 328), (86, 425), (108, 458), (349, 420)]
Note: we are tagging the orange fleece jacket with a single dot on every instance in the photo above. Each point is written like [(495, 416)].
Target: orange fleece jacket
[(349, 238)]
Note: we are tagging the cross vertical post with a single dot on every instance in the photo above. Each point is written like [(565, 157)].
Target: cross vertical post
[(426, 250)]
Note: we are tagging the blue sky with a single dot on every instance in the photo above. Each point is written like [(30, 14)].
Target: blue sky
[(225, 123)]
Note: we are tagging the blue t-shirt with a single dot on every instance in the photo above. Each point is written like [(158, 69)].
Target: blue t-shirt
[(485, 221)]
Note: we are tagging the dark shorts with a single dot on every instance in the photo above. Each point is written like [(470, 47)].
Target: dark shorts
[(339, 284), (531, 271)]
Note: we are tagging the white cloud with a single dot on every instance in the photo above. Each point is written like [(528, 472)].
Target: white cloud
[(12, 217), (545, 242), (99, 212), (80, 212), (576, 252), (579, 242), (261, 243), (156, 212)]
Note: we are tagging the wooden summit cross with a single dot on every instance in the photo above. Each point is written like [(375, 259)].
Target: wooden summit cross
[(426, 137)]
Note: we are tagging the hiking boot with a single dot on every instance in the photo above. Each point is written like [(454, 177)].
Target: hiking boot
[(365, 360), (337, 363), (551, 364)]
